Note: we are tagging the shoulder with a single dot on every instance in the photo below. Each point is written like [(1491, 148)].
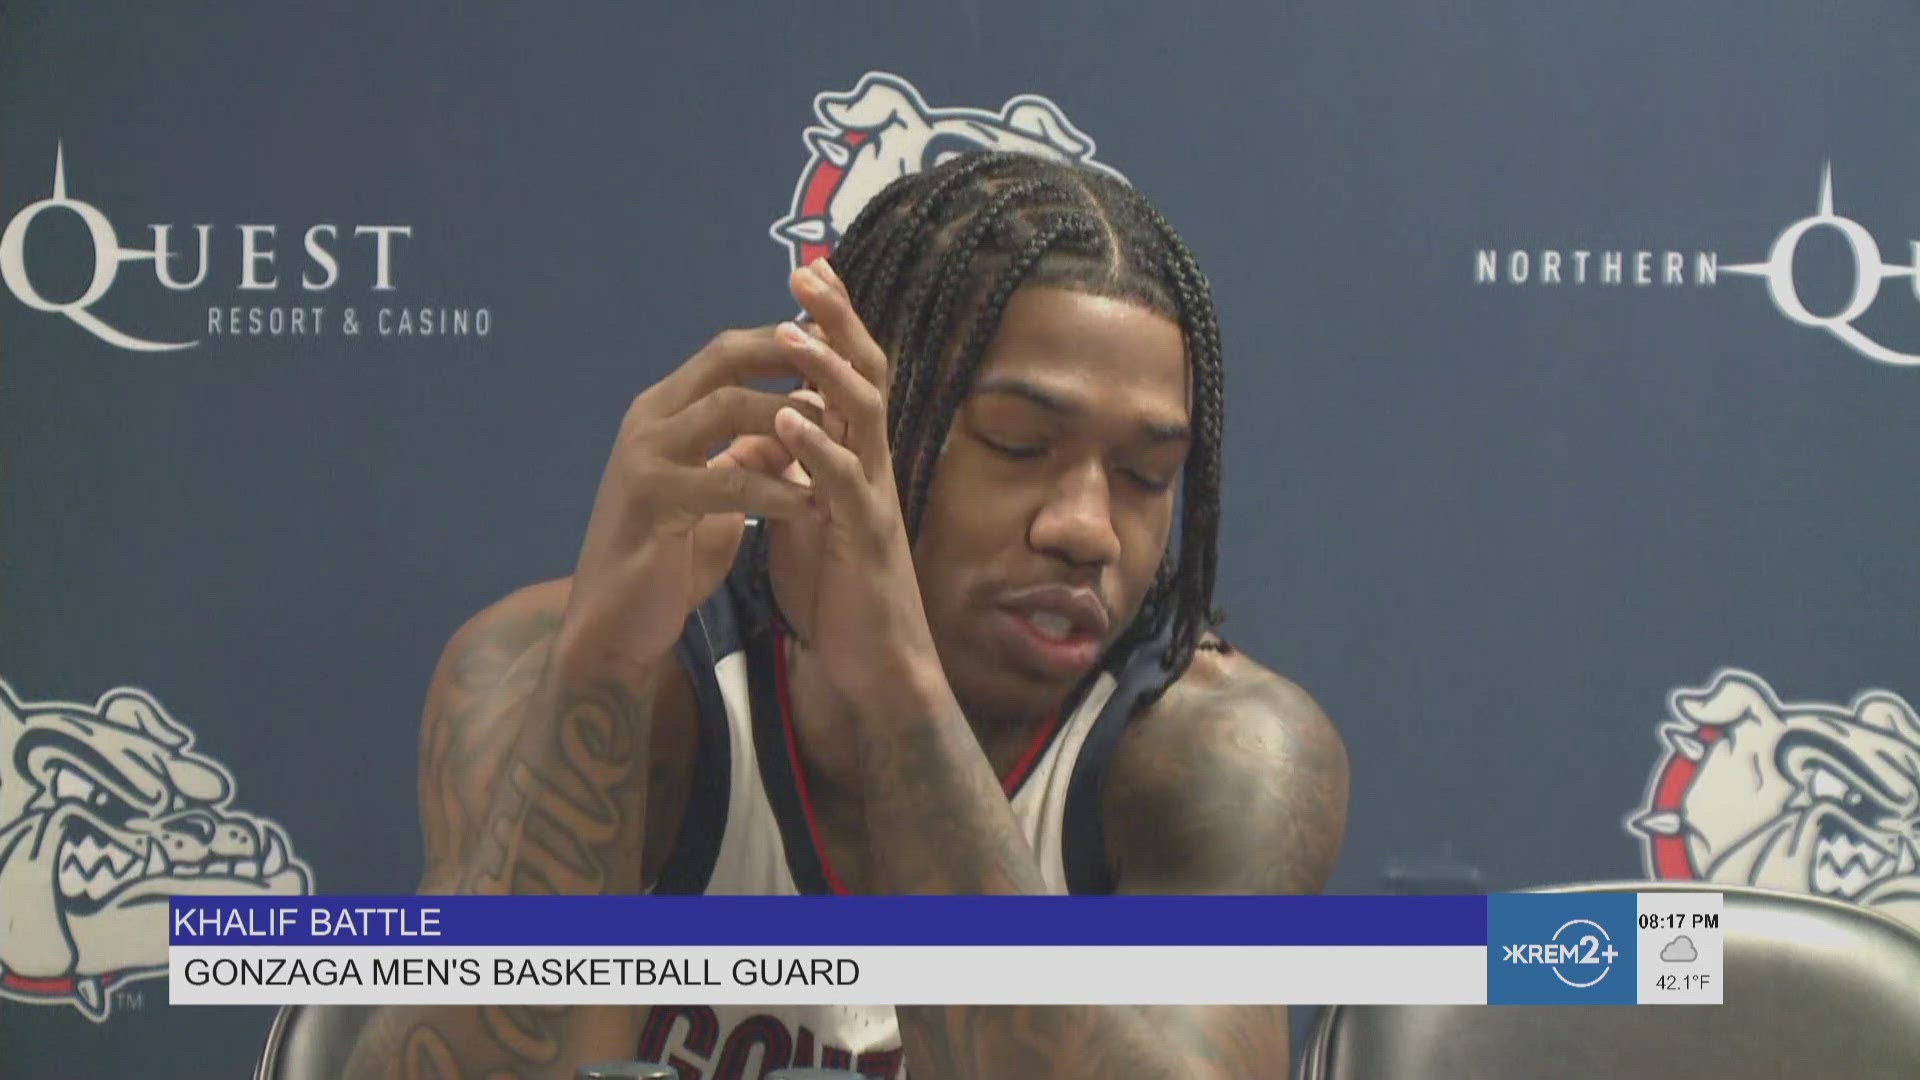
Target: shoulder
[(1235, 779), (525, 618)]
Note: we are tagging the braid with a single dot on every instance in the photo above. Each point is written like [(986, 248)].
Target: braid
[(967, 361), (928, 335), (946, 249)]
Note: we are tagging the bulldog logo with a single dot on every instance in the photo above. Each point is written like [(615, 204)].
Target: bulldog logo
[(105, 812), (1808, 797), (883, 129)]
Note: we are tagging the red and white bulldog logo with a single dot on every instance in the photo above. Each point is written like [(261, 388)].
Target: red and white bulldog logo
[(882, 130), (1807, 797), (106, 812)]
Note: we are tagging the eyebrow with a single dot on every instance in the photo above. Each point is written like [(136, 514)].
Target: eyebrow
[(1157, 431)]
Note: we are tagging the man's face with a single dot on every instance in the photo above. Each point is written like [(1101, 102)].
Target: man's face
[(1053, 500)]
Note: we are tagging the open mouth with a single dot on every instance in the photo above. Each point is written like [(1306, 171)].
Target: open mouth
[(94, 867), (1048, 642), (1846, 863), (1847, 860)]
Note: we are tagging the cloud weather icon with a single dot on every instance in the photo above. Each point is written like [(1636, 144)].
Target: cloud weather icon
[(1680, 951)]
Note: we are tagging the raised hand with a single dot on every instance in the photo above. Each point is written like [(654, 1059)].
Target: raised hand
[(862, 614), (669, 514)]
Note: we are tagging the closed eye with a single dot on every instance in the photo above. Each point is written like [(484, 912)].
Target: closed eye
[(1015, 452), (1149, 482)]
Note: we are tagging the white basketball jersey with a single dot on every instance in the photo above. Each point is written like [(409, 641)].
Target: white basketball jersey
[(748, 832)]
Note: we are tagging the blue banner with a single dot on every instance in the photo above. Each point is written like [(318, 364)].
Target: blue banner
[(830, 920)]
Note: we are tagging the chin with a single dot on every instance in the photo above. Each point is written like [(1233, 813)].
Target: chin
[(1015, 693)]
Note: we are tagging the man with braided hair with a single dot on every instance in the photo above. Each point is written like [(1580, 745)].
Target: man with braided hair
[(938, 621)]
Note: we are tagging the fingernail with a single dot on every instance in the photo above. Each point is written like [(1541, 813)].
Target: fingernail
[(792, 334), (825, 269)]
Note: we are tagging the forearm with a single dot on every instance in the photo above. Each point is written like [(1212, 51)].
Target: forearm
[(523, 1042), (564, 813), (938, 821), (1075, 1042)]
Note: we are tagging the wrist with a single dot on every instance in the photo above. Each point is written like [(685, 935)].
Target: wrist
[(902, 685), (592, 642)]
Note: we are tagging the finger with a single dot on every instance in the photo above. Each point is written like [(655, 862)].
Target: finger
[(721, 416), (826, 301), (839, 479), (847, 394), (701, 490), (764, 454), (733, 357), (831, 421)]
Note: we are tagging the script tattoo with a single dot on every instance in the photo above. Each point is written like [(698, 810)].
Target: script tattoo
[(531, 783), (427, 1056), (562, 827), (527, 1030), (473, 714)]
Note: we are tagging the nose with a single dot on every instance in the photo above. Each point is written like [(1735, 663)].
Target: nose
[(1075, 523)]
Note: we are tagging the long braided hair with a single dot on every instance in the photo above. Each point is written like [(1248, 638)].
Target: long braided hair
[(931, 262)]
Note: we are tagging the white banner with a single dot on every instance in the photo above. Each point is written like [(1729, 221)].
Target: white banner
[(895, 975)]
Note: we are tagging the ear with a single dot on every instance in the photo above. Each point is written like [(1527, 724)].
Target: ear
[(1043, 121), (12, 724), (11, 720), (1734, 696), (1890, 714), (870, 107), (135, 709)]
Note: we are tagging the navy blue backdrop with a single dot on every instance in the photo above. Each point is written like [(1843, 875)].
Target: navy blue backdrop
[(1561, 538)]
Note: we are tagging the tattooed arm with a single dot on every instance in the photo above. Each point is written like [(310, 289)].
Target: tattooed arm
[(540, 735), (1234, 782), (531, 781)]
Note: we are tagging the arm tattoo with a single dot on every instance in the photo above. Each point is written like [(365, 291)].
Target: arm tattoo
[(569, 814), (1236, 789), (471, 716), (533, 781), (937, 819)]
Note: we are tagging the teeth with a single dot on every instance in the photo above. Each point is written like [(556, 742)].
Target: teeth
[(93, 869), (157, 861), (1828, 880), (246, 868), (186, 870), (275, 860), (1844, 866), (100, 885), (86, 854), (1051, 624), (121, 859)]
